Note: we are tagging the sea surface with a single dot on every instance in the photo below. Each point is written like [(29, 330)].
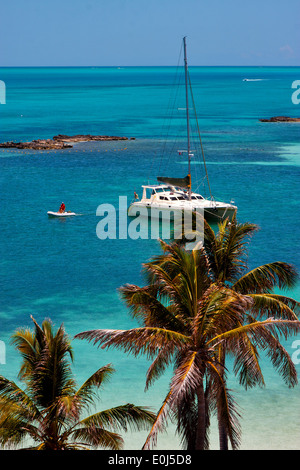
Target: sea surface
[(60, 269)]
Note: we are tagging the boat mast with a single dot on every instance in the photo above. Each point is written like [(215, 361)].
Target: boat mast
[(187, 116)]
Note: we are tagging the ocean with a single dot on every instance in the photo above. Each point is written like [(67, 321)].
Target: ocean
[(60, 269)]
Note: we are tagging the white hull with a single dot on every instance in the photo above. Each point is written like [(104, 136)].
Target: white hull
[(216, 211), (60, 214), (158, 200)]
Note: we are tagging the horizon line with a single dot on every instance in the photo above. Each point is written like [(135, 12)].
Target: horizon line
[(140, 66)]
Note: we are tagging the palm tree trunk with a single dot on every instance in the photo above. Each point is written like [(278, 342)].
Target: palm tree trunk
[(200, 432), (223, 437)]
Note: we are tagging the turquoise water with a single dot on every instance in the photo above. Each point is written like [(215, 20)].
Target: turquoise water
[(62, 270)]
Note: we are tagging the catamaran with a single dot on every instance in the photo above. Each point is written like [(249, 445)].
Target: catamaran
[(175, 194)]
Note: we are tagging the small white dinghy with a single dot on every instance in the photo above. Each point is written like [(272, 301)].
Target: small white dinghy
[(60, 214)]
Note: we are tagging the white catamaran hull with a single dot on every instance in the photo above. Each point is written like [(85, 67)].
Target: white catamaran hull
[(212, 212)]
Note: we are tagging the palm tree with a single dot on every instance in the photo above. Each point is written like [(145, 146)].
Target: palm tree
[(193, 320), (46, 415), (227, 253), (227, 259)]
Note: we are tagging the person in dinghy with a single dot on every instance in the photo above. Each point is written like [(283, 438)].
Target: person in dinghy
[(61, 212), (62, 208)]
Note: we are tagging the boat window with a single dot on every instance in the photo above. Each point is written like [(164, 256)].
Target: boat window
[(163, 198), (147, 193), (194, 197), (199, 197), (173, 198), (181, 198)]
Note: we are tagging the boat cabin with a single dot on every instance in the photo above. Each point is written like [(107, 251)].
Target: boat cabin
[(166, 193)]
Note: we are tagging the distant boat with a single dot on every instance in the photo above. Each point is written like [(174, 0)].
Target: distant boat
[(175, 194), (60, 214)]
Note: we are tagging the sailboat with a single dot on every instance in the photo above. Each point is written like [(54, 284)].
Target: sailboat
[(172, 195)]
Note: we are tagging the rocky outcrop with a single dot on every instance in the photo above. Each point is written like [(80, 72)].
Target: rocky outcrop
[(59, 141), (40, 144), (85, 138), (281, 119)]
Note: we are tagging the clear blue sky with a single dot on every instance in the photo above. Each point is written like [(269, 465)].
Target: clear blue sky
[(149, 32)]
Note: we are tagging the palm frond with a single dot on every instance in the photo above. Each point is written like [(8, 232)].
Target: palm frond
[(101, 376), (175, 272), (158, 366), (159, 424), (12, 395), (266, 277), (24, 342), (246, 362), (226, 250), (148, 340), (145, 306), (277, 306), (276, 327), (121, 418), (17, 410), (266, 335), (94, 437), (280, 359), (186, 416), (171, 287), (220, 309), (187, 377), (52, 376)]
